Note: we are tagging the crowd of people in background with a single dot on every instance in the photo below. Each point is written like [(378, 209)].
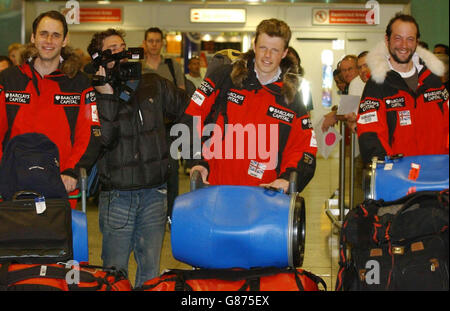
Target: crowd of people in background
[(351, 68)]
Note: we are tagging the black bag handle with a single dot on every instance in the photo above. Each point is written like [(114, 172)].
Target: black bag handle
[(317, 279), (415, 197), (18, 194)]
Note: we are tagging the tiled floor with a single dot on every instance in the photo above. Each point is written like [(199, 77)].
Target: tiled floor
[(321, 244)]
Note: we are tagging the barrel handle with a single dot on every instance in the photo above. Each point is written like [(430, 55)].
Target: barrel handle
[(292, 182), (83, 188), (196, 181)]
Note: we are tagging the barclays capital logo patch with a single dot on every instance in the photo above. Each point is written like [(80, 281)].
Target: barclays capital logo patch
[(369, 104), (435, 95), (206, 88), (235, 98), (17, 98), (306, 124), (280, 114), (397, 102), (61, 99), (90, 97)]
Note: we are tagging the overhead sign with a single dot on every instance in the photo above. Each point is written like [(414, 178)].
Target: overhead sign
[(342, 16), (101, 15), (218, 16)]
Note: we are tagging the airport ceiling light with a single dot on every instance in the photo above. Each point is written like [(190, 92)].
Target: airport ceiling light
[(218, 16)]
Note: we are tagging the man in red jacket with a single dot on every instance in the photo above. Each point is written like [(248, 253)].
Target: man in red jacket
[(49, 95), (404, 106), (262, 131)]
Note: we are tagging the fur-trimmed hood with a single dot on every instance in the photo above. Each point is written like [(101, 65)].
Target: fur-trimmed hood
[(70, 66), (288, 71), (377, 60)]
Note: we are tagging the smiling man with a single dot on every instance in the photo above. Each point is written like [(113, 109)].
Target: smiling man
[(257, 92), (49, 95), (404, 106)]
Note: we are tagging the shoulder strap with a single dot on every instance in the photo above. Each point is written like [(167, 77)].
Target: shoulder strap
[(169, 63), (220, 105)]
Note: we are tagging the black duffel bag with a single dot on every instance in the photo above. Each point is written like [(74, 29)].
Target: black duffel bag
[(398, 245), (35, 230)]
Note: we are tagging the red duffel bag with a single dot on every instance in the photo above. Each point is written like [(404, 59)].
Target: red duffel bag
[(258, 279), (61, 277)]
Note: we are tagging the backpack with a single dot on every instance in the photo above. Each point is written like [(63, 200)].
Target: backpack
[(222, 57), (30, 162), (396, 245)]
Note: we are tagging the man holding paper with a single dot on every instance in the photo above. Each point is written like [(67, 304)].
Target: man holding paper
[(349, 71)]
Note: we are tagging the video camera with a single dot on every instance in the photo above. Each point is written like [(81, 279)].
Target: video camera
[(122, 72)]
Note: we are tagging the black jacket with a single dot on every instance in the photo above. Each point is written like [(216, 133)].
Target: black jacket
[(136, 150)]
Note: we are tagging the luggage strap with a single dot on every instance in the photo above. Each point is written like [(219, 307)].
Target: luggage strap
[(8, 278)]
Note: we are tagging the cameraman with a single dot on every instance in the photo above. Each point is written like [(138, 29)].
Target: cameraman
[(133, 166)]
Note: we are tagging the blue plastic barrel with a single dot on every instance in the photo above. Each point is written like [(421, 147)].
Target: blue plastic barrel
[(390, 179), (80, 236), (238, 226)]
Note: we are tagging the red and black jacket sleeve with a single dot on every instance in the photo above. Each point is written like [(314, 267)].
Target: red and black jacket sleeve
[(297, 147), (372, 124), (205, 107)]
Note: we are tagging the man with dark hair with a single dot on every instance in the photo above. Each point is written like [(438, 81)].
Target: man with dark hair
[(340, 83), (404, 106), (5, 62), (363, 68), (356, 86), (170, 69), (155, 62), (440, 49), (48, 94), (257, 95), (194, 71), (133, 166)]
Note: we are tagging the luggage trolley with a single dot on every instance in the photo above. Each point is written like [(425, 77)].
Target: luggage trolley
[(79, 224), (335, 207)]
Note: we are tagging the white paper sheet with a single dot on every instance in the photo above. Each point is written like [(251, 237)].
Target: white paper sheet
[(326, 141)]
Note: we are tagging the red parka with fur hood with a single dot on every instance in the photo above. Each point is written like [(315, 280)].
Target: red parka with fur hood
[(393, 119)]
